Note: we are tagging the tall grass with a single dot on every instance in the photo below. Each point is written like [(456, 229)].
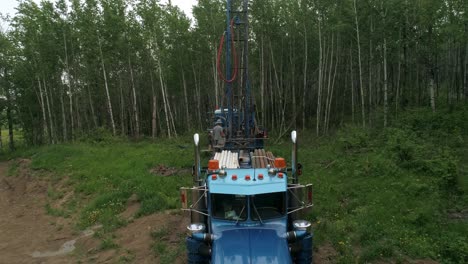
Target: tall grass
[(388, 194), (106, 174), (379, 194)]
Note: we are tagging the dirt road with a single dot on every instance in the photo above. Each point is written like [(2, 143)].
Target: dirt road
[(29, 235), (24, 226)]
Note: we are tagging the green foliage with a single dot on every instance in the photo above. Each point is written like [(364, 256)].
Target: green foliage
[(13, 169), (425, 158), (385, 194), (109, 173), (108, 243), (454, 248), (379, 195), (353, 138), (99, 135)]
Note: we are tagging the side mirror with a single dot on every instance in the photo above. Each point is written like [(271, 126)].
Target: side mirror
[(301, 225), (196, 228)]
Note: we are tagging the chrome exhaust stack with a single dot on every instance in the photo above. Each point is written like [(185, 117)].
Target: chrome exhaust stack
[(295, 176), (196, 167)]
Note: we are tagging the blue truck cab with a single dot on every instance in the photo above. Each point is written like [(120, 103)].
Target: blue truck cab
[(246, 207)]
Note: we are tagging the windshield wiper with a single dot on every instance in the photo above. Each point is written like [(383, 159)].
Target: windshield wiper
[(255, 209), (240, 214)]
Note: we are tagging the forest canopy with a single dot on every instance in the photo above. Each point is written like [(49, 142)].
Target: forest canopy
[(142, 68)]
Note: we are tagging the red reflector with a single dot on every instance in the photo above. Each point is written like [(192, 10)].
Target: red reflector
[(247, 177), (182, 197), (234, 177), (280, 175), (260, 176), (214, 177)]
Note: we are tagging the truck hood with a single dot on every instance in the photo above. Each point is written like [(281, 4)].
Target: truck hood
[(250, 246)]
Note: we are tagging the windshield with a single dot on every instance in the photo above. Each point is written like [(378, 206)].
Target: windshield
[(267, 206), (229, 206), (234, 207)]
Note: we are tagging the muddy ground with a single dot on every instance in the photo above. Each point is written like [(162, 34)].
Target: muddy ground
[(29, 235)]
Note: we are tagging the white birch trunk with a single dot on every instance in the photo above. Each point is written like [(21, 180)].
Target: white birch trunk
[(197, 90), (397, 95), (330, 71), (262, 79), (305, 79), (187, 115), (293, 86), (44, 119), (327, 125), (171, 116), (319, 94), (352, 83), (51, 125), (64, 120), (385, 83), (215, 78), (465, 75), (432, 93), (91, 107), (278, 86), (363, 113), (123, 127), (154, 109), (70, 92), (371, 58), (163, 92), (135, 105), (109, 103)]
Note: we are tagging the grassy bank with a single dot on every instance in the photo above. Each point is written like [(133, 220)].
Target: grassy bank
[(397, 193), (104, 175)]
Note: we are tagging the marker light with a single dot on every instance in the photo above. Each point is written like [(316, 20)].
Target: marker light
[(234, 177), (247, 177), (182, 197), (260, 176), (280, 175), (214, 177), (213, 165), (280, 163), (309, 195)]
